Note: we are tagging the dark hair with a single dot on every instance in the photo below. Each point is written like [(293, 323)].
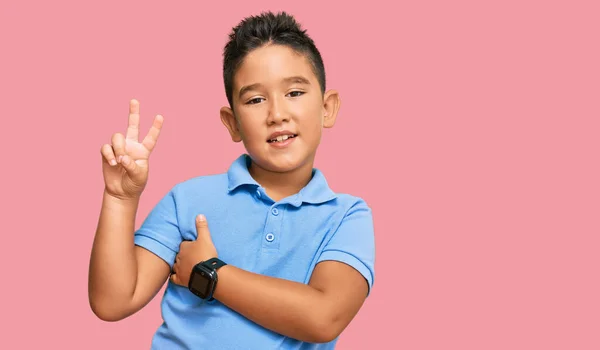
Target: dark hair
[(267, 28)]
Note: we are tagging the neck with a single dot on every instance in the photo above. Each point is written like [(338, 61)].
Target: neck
[(279, 185)]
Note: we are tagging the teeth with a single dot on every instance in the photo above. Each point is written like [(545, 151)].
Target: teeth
[(281, 138)]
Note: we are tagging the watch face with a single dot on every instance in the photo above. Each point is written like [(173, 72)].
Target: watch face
[(201, 282)]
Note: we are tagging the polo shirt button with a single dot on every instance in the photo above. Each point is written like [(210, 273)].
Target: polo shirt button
[(258, 193), (275, 211), (270, 237)]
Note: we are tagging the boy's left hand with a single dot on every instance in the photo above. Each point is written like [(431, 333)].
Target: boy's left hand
[(193, 252)]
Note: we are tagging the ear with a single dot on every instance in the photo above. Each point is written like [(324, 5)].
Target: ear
[(331, 106), (230, 122)]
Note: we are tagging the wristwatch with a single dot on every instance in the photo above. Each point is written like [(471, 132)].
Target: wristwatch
[(203, 279)]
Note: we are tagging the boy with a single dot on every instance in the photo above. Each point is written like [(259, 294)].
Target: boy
[(264, 256)]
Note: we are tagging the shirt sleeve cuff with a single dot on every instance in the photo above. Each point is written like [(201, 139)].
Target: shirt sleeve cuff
[(155, 247), (351, 260)]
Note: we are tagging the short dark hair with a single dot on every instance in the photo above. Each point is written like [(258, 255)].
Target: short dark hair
[(268, 28)]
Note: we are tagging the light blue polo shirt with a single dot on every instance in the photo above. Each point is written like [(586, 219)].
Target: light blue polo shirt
[(283, 239)]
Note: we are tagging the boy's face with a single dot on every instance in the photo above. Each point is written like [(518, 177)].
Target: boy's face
[(276, 91)]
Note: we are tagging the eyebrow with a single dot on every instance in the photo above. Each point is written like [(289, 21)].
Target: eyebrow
[(295, 79)]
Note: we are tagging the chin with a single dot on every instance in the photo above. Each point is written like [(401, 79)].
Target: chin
[(281, 166), (280, 163)]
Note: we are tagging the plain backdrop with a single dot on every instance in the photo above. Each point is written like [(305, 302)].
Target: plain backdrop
[(470, 127)]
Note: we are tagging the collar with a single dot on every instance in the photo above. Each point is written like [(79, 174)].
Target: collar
[(317, 191)]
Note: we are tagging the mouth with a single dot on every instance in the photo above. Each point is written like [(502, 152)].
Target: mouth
[(281, 138)]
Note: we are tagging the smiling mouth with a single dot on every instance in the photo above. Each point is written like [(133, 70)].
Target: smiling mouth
[(281, 138)]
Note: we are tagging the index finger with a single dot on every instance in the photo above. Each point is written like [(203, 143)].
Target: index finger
[(133, 129)]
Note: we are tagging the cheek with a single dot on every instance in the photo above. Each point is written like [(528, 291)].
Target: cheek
[(309, 113), (312, 128), (250, 131)]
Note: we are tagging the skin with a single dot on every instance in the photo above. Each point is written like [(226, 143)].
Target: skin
[(129, 276), (124, 277), (273, 103)]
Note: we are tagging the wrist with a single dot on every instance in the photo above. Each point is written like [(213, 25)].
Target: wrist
[(120, 206), (205, 277), (223, 273), (120, 200)]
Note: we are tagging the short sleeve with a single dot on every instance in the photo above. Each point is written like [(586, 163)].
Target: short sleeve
[(160, 232), (353, 243)]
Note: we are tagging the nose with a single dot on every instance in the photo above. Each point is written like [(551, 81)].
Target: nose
[(277, 112)]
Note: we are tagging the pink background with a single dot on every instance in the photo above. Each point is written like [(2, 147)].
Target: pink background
[(470, 128)]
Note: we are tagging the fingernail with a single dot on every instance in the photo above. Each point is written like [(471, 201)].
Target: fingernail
[(201, 218), (113, 162), (125, 160), (120, 159)]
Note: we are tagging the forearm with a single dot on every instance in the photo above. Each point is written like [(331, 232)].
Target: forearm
[(293, 309), (113, 266)]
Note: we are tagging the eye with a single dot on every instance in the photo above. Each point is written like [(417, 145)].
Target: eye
[(296, 93), (255, 101)]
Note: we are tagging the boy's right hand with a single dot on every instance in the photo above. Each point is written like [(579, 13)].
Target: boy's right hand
[(125, 160)]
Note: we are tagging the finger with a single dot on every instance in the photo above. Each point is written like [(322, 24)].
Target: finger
[(182, 246), (175, 279), (118, 145), (133, 129), (108, 155), (152, 136), (202, 226), (130, 166)]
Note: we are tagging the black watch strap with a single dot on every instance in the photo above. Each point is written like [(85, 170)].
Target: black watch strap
[(214, 263)]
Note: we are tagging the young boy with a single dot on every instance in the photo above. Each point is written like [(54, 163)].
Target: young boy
[(263, 256)]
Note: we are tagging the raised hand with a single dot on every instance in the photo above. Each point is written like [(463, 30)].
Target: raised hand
[(125, 160)]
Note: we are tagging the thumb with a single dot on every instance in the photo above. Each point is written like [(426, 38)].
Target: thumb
[(202, 226), (130, 166)]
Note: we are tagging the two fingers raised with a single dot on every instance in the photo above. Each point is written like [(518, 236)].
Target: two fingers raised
[(115, 152), (133, 127)]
